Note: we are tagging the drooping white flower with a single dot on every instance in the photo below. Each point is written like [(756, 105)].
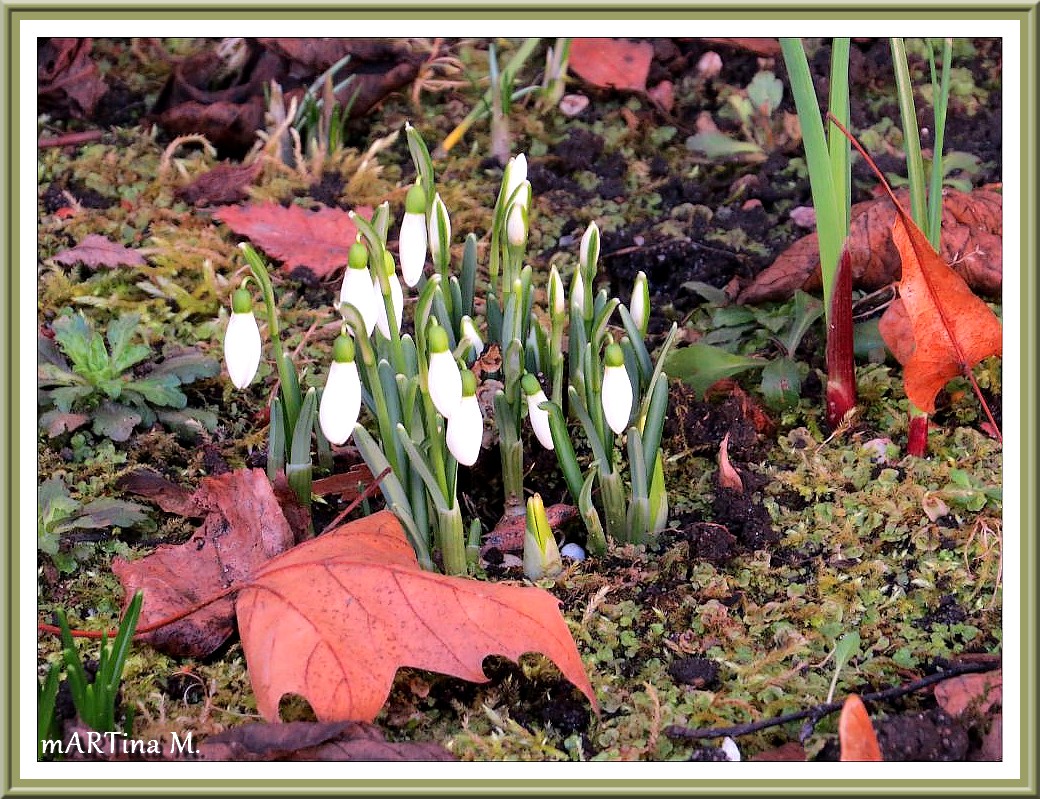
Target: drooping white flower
[(341, 398), (413, 239), (396, 298), (444, 380), (466, 426), (439, 231), (617, 390), (539, 418), (639, 307), (357, 287), (588, 253), (242, 345), (470, 334)]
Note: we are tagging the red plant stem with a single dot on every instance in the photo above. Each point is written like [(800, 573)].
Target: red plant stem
[(70, 139), (965, 367), (54, 630), (841, 367), (917, 436)]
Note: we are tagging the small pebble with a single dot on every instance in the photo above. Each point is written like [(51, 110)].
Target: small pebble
[(573, 551), (729, 746), (709, 65)]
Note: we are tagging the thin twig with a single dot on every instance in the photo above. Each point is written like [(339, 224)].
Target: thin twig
[(820, 711), (70, 139), (370, 489)]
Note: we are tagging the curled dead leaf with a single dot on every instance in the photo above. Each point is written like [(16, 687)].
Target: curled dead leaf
[(856, 733), (729, 477)]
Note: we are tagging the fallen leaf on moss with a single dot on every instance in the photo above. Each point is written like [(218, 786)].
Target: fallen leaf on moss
[(760, 46), (309, 741), (66, 76), (334, 618), (97, 251), (612, 63), (319, 240), (244, 527), (977, 691), (856, 733), (971, 242), (952, 329), (225, 183)]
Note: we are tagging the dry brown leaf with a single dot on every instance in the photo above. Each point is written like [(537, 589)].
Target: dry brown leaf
[(66, 76), (319, 240), (728, 476), (225, 183), (310, 741), (243, 529), (953, 329), (971, 242), (977, 691), (856, 733), (792, 751), (169, 496), (348, 485), (612, 63), (334, 618), (766, 48), (96, 251)]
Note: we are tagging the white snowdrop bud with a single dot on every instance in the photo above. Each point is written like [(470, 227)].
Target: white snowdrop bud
[(357, 287), (341, 399), (466, 426), (588, 254), (539, 418), (413, 239), (617, 390), (639, 307), (469, 332), (242, 340), (516, 224), (439, 230), (557, 296), (444, 382)]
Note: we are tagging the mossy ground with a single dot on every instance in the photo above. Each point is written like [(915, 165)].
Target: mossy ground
[(852, 546)]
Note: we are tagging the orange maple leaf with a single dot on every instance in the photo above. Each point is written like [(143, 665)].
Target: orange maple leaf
[(856, 733), (334, 618)]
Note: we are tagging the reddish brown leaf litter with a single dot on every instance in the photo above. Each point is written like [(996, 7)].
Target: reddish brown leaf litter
[(319, 240), (612, 63), (244, 527), (334, 618), (96, 251), (978, 693), (67, 79), (321, 741), (225, 183), (856, 733), (971, 243)]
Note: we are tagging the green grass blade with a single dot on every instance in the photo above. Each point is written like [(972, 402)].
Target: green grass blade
[(911, 139)]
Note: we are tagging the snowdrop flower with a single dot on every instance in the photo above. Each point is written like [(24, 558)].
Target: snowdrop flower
[(573, 552), (413, 239), (357, 286), (539, 418), (444, 382), (541, 553), (730, 749), (466, 426), (439, 230), (341, 399), (578, 293), (470, 334), (396, 297), (617, 390), (639, 307), (242, 340), (588, 254), (516, 224), (557, 297)]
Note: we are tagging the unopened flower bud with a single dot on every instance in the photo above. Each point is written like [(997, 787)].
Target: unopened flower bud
[(617, 390), (539, 418), (341, 398), (242, 346)]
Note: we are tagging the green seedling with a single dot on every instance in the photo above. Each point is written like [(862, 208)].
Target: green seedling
[(846, 649), (115, 383), (96, 697), (66, 528), (754, 110)]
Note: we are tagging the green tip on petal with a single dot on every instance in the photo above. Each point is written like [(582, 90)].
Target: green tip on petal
[(388, 263), (343, 349), (437, 338), (358, 256), (530, 384), (614, 356), (415, 201), (469, 383), (242, 301)]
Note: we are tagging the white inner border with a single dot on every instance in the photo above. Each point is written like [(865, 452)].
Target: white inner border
[(81, 774)]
